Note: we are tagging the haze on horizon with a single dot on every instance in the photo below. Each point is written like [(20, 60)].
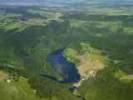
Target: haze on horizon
[(65, 2)]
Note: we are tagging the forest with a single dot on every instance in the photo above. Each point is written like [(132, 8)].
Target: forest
[(95, 50)]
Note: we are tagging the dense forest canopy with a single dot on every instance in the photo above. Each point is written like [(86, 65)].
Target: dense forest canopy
[(66, 50)]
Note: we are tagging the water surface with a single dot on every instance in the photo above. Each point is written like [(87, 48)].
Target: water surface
[(63, 67)]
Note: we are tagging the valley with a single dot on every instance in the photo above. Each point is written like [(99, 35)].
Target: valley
[(66, 54)]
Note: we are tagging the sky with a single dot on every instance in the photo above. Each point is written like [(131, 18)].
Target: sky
[(63, 2)]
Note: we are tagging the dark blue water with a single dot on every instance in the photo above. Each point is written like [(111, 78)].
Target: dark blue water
[(63, 67)]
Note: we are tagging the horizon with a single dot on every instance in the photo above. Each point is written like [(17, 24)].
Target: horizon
[(64, 2)]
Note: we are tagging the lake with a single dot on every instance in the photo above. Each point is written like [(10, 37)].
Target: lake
[(63, 67)]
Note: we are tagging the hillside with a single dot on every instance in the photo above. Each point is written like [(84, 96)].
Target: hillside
[(90, 53)]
